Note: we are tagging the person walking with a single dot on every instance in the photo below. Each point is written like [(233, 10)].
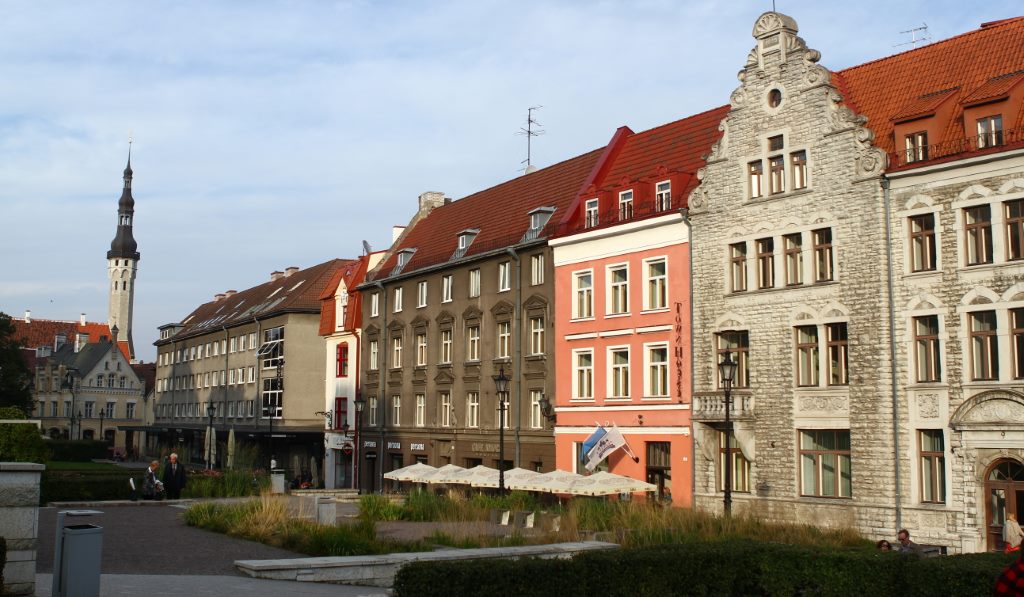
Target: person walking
[(174, 478)]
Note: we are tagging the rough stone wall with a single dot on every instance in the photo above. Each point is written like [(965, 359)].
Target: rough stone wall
[(844, 194)]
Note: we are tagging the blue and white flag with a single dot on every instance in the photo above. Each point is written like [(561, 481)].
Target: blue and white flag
[(590, 442)]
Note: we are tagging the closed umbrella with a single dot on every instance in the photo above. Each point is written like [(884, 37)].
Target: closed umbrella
[(231, 448), (314, 470)]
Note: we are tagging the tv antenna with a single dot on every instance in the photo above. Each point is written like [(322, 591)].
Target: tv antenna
[(530, 133), (914, 39)]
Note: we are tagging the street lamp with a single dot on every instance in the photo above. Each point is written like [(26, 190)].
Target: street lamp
[(211, 436), (727, 368), (69, 381), (501, 384), (360, 403), (547, 409), (79, 417), (102, 414)]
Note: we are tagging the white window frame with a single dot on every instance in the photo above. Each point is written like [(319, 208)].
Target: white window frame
[(474, 283), (374, 352), (656, 370), (650, 281), (397, 302), (626, 205), (663, 195), (446, 409), (473, 409), (421, 294), (504, 276), (447, 284), (396, 352), (536, 419), (537, 269), (446, 346), (612, 289), (421, 410), (537, 335), (504, 339), (396, 410), (421, 349), (583, 296), (473, 343), (591, 216), (375, 304), (582, 376), (617, 381)]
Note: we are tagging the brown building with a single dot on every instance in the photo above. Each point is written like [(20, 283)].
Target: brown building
[(465, 293)]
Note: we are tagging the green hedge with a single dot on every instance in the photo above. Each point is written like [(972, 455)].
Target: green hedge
[(21, 442), (77, 486), (720, 568), (77, 450)]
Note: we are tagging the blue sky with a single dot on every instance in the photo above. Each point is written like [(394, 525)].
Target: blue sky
[(270, 134)]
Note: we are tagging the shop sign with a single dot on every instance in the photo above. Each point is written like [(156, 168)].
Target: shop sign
[(417, 447), (483, 447), (370, 444), (394, 445)]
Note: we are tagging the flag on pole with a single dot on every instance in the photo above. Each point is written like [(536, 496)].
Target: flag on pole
[(590, 442), (611, 441)]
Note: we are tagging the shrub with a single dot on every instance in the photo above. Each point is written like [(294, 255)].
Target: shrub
[(233, 483), (77, 450), (76, 486), (374, 507), (21, 442)]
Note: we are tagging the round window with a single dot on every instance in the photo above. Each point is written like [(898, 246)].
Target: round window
[(774, 98)]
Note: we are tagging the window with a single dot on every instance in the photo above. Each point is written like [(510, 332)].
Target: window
[(535, 412), (473, 343), (373, 410), (792, 246), (657, 371), (474, 283), (737, 344), (447, 283), (625, 205), (396, 352), (822, 255), (341, 364), (536, 335), (108, 409), (537, 269), (618, 386), (755, 171), (375, 304), (88, 409), (396, 410), (933, 466), (584, 378), (838, 355), (591, 218), (473, 409), (798, 164), (990, 131), (374, 365), (252, 374), (825, 464), (241, 343), (618, 293), (1017, 323), (766, 263), (504, 276), (984, 346), (740, 465), (776, 143), (446, 346), (738, 266), (272, 350), (1014, 230), (446, 409), (421, 294), (421, 350), (398, 300), (252, 342), (657, 284), (421, 410), (504, 339), (232, 379), (129, 413), (807, 355), (663, 196), (233, 347), (777, 174), (926, 349), (978, 227), (917, 147), (922, 243), (206, 380), (584, 305), (272, 398)]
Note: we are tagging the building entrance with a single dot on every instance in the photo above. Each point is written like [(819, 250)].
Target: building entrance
[(1004, 494)]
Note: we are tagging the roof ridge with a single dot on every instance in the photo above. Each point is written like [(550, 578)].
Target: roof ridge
[(534, 173), (984, 27), (678, 120)]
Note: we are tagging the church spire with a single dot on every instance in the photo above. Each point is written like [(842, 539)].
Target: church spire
[(122, 264), (124, 244)]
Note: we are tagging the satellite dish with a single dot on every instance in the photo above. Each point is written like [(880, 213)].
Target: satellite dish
[(366, 248)]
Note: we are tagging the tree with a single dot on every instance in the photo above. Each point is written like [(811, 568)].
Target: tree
[(15, 377)]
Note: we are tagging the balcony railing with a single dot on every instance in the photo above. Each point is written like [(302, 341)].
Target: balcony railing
[(710, 406), (957, 148)]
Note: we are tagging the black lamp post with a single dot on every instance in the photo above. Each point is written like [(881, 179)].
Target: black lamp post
[(69, 381), (727, 368), (79, 417), (102, 414), (360, 403), (211, 435), (501, 384)]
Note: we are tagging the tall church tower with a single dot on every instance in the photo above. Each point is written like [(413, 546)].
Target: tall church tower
[(122, 262)]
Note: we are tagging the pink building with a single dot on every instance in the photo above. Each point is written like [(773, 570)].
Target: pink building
[(622, 305)]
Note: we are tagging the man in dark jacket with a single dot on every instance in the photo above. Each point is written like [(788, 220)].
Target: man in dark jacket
[(174, 478)]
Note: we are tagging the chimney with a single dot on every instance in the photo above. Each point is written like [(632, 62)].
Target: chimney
[(113, 334), (396, 231), (81, 339), (276, 275), (218, 297), (81, 319), (58, 341), (28, 316), (290, 270), (430, 200), (230, 293)]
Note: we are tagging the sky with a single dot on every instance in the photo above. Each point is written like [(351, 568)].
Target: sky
[(269, 134)]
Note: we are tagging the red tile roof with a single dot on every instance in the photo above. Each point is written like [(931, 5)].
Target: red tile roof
[(996, 88), (297, 292), (501, 213), (353, 276), (924, 105), (43, 332), (881, 89)]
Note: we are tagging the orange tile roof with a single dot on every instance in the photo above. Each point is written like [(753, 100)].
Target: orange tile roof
[(882, 88), (43, 332), (997, 87), (353, 276), (924, 105)]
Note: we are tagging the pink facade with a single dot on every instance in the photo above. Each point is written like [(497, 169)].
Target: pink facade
[(622, 315)]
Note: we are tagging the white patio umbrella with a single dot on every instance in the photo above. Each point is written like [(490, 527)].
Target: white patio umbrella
[(467, 476), (410, 473), (442, 474), (555, 481), (604, 483), (314, 470), (512, 478)]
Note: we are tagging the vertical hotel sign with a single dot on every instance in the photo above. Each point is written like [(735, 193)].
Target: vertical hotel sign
[(677, 332)]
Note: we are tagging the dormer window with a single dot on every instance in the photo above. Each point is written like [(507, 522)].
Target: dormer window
[(917, 146), (663, 196), (466, 238), (990, 131), (401, 260), (538, 219), (625, 205), (591, 218)]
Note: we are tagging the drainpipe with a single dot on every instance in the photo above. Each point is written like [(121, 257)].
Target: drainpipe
[(685, 212), (892, 355), (517, 386), (382, 405)]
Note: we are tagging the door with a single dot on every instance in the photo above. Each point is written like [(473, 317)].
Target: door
[(1004, 494)]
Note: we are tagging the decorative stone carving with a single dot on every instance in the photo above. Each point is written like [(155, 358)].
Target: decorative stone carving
[(830, 404), (770, 22), (928, 406), (997, 407)]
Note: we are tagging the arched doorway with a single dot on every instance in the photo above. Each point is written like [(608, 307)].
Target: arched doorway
[(1004, 494)]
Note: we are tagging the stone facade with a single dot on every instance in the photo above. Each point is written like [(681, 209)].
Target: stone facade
[(19, 525), (801, 254)]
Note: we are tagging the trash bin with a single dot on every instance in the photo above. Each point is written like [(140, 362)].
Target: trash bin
[(277, 481), (81, 549)]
